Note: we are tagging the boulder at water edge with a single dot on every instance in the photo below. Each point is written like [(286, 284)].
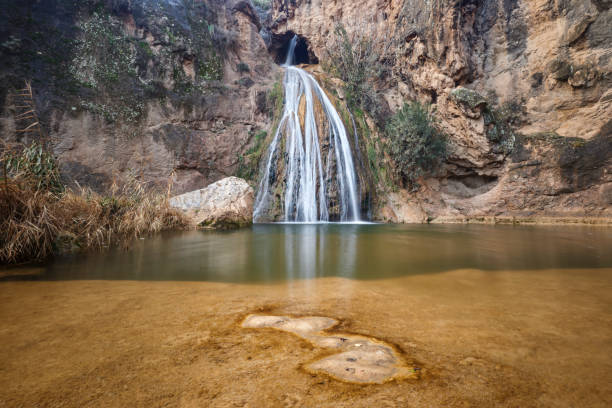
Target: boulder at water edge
[(225, 204)]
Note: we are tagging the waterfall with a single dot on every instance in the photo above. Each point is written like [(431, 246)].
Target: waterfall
[(291, 52), (309, 174)]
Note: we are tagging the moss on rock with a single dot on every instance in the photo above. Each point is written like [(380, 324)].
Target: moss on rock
[(468, 97)]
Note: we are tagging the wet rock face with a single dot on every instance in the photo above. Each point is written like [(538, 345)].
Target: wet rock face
[(161, 90), (225, 204), (494, 70), (336, 199)]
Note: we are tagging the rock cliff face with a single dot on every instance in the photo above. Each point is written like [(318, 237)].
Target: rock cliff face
[(186, 91), (161, 90), (547, 63)]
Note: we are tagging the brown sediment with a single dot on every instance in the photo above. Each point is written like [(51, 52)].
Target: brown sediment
[(487, 339), (9, 273), (594, 221)]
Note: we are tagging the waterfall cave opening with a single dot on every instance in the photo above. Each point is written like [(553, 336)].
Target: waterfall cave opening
[(279, 46)]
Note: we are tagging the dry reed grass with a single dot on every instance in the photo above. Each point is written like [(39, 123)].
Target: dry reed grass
[(37, 219)]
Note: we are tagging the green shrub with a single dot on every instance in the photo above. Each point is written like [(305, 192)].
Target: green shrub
[(263, 4), (145, 48), (243, 68), (417, 146), (34, 164), (501, 123)]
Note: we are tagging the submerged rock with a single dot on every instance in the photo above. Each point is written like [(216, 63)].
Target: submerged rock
[(226, 204), (358, 359)]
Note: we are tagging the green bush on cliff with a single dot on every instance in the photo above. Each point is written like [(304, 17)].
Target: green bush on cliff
[(501, 122), (263, 4), (416, 144)]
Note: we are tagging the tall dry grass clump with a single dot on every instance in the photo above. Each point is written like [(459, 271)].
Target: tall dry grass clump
[(39, 217)]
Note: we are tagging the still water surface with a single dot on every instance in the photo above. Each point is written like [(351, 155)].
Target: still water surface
[(276, 253)]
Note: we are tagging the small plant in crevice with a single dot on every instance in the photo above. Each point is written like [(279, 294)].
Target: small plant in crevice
[(416, 144), (248, 163), (275, 98), (357, 59), (499, 121), (145, 49), (499, 130)]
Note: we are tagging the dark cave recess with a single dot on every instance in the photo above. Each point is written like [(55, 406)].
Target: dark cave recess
[(279, 46)]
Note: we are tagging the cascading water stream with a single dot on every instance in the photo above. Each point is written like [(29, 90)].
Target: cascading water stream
[(309, 176)]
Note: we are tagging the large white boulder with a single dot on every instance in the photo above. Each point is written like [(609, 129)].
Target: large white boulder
[(225, 204)]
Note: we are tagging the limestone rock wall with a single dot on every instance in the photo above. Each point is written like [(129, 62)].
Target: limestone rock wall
[(155, 89), (547, 62), (551, 56)]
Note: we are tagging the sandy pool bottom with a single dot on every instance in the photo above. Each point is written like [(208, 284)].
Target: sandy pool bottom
[(476, 339)]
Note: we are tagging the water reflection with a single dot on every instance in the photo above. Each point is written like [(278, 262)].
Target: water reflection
[(267, 253), (307, 256)]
